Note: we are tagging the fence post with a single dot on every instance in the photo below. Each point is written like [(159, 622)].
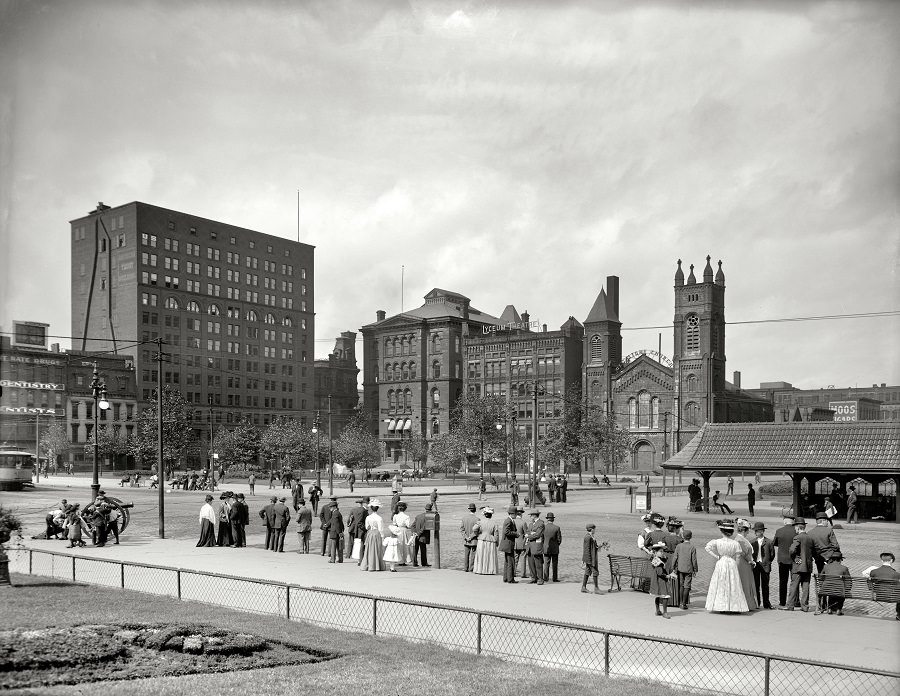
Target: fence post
[(30, 561), (287, 602), (178, 581), (478, 636), (73, 568), (767, 675), (606, 654), (122, 574), (374, 616)]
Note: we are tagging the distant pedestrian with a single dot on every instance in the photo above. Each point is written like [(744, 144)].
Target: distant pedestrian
[(433, 499), (351, 479), (281, 518), (589, 562), (730, 485), (304, 525), (851, 507), (482, 488), (251, 480), (751, 497), (723, 507), (271, 478)]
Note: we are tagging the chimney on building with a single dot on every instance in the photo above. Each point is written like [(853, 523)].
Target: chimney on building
[(380, 315), (545, 328), (737, 379), (526, 318), (54, 347), (612, 293)]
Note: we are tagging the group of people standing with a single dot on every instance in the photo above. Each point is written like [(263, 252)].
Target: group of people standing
[(98, 520)]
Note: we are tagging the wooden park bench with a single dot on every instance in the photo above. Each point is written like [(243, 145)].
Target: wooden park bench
[(860, 588), (634, 567)]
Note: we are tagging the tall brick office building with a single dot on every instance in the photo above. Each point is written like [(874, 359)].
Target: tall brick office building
[(234, 308)]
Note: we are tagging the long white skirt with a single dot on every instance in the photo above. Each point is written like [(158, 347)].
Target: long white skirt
[(725, 590)]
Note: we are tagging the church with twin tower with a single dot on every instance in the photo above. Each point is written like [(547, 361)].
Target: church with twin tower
[(663, 401)]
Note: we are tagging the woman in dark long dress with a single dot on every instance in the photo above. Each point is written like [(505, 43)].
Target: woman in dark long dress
[(207, 524)]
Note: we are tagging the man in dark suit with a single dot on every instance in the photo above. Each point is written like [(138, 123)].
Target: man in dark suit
[(324, 517), (802, 555), (469, 537), (281, 517), (356, 523), (835, 584), (763, 554), (751, 497), (534, 537), (521, 556), (552, 540), (782, 542), (885, 571), (423, 537), (239, 516), (336, 533), (268, 520), (304, 525), (825, 543), (684, 561), (589, 562), (507, 544), (297, 496)]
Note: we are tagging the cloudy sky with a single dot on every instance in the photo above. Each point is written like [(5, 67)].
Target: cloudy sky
[(517, 152)]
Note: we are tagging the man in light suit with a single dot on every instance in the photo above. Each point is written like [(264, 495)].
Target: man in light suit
[(552, 541), (802, 555), (763, 554), (534, 537), (469, 537), (507, 545), (783, 538), (281, 516)]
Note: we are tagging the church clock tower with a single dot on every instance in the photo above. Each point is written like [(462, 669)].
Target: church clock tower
[(602, 346)]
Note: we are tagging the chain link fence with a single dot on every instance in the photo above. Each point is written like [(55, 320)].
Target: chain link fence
[(705, 668)]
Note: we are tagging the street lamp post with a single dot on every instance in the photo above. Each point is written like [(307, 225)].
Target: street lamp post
[(330, 452), (98, 390), (315, 429), (480, 429)]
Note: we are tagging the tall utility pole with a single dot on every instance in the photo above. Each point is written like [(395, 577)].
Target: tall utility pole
[(330, 451), (532, 489), (159, 431), (98, 390), (37, 449), (316, 429)]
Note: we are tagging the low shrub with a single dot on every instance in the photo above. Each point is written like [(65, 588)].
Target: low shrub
[(777, 488)]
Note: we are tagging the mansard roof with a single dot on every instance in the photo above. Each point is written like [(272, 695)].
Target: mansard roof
[(870, 446)]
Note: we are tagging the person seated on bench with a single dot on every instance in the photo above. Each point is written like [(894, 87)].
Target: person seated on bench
[(833, 586), (885, 571), (722, 506)]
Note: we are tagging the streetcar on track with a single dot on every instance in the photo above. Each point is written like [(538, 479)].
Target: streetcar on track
[(16, 468)]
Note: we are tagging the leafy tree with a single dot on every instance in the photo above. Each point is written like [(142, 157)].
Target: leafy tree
[(605, 439), (417, 450), (290, 442), (54, 442), (447, 452), (110, 443), (238, 447), (563, 440), (178, 436), (474, 419), (356, 446)]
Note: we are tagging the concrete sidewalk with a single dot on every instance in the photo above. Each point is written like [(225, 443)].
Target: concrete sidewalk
[(848, 640)]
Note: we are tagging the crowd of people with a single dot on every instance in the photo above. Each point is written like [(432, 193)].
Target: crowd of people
[(96, 521)]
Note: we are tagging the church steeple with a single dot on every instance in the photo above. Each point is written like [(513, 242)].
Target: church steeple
[(679, 275), (720, 276), (692, 280), (708, 271)]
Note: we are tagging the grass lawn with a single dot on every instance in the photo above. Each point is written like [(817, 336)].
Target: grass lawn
[(367, 664)]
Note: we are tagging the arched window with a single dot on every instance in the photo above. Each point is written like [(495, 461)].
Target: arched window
[(287, 321), (435, 398), (435, 427), (396, 371), (458, 370), (193, 307), (395, 346), (387, 348), (595, 387), (692, 413), (596, 349), (214, 310), (407, 399), (632, 413), (690, 383), (413, 346), (436, 343), (644, 410), (436, 369), (252, 315), (404, 346), (654, 412), (389, 372), (412, 370), (390, 396), (692, 334), (270, 318), (172, 303), (404, 370)]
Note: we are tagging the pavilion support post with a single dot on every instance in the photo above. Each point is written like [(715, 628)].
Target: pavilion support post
[(706, 476), (796, 494), (896, 498)]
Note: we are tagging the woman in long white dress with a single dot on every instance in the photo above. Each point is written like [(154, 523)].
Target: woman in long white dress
[(486, 550), (746, 563), (373, 555), (725, 590), (401, 529)]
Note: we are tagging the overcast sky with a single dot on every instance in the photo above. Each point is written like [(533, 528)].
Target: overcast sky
[(516, 152)]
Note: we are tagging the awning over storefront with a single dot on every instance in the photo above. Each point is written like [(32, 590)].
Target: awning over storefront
[(392, 425)]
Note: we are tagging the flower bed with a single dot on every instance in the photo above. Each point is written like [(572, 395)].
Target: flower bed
[(97, 652)]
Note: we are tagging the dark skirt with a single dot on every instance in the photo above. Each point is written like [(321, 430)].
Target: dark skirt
[(207, 534), (224, 538)]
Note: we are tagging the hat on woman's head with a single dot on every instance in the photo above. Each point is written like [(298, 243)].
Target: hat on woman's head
[(742, 523), (726, 525), (374, 502), (645, 517), (489, 511)]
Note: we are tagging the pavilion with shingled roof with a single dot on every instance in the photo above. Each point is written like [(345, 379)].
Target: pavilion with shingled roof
[(864, 453)]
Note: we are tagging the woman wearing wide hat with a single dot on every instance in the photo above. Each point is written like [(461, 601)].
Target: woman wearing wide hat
[(373, 555), (725, 593)]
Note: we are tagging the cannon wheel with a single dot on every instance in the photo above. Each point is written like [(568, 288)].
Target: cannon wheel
[(123, 508)]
